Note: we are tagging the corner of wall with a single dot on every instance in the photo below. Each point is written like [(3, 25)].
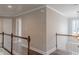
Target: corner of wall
[(56, 14)]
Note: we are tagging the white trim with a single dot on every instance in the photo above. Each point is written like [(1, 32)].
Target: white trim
[(22, 13), (7, 15), (55, 10), (51, 51), (32, 10), (37, 50), (40, 51), (34, 49)]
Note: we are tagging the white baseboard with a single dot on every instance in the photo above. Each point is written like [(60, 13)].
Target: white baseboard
[(37, 50), (51, 51), (40, 51)]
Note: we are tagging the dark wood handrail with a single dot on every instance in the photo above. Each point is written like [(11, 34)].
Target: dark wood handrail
[(57, 34), (7, 34), (66, 35), (15, 36), (12, 43), (19, 37)]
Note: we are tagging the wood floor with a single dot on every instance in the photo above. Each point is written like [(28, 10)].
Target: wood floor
[(57, 52)]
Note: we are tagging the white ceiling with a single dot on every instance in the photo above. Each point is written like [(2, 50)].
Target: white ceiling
[(16, 9), (69, 10)]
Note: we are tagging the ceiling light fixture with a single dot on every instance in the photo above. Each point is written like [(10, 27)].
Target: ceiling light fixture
[(9, 6)]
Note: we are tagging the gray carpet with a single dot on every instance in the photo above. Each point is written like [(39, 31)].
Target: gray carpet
[(57, 52), (3, 52), (60, 52), (34, 53)]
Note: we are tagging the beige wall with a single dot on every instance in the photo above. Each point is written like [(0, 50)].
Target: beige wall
[(42, 26), (34, 24), (55, 23)]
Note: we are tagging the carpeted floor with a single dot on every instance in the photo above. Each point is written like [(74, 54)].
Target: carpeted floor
[(34, 53), (61, 52), (3, 52), (57, 52)]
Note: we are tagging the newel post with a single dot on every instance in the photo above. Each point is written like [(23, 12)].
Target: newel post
[(2, 39), (11, 43), (29, 45), (56, 40)]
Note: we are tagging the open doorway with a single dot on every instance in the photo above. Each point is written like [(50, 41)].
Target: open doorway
[(18, 28)]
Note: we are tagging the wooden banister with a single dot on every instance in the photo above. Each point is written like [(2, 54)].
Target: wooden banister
[(57, 34), (28, 45), (11, 52), (11, 43), (7, 34), (2, 39), (20, 37), (15, 36)]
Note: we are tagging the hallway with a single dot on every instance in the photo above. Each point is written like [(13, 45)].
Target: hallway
[(41, 28)]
